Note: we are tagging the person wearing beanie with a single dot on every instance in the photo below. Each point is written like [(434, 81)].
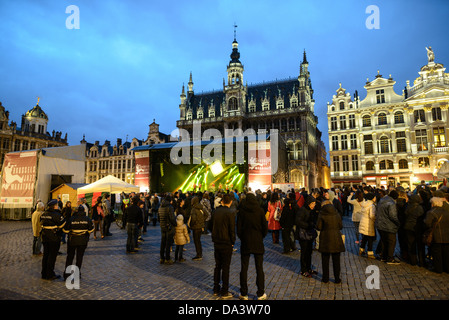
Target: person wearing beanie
[(366, 226), (181, 237), (388, 225), (306, 234)]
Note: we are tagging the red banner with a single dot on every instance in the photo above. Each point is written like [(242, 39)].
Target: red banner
[(259, 165), (18, 179), (142, 176)]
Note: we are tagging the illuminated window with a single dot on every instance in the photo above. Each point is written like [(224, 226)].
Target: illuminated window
[(439, 138)]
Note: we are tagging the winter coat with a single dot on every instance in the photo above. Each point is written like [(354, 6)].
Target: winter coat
[(441, 231), (367, 218), (273, 224), (413, 212), (288, 214), (196, 215), (330, 223), (223, 226), (36, 222), (251, 226), (386, 215), (181, 233), (206, 209), (305, 220), (357, 211), (166, 216), (78, 229)]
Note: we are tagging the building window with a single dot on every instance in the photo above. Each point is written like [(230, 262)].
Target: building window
[(398, 117), (382, 119), (419, 116), (333, 123), (280, 104), (252, 107), (335, 143), (369, 166), (212, 112), (353, 141), (342, 105), (386, 164), (17, 145), (436, 114), (369, 147), (423, 162), (384, 145), (380, 96), (342, 122), (291, 124), (355, 162), (344, 142), (265, 106), (232, 104), (294, 103), (401, 145), (336, 161), (284, 125), (345, 160), (403, 164), (366, 121), (189, 116), (351, 121), (439, 138), (421, 139)]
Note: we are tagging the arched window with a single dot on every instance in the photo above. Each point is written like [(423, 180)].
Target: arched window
[(232, 104), (398, 117), (369, 165), (384, 145), (382, 165), (403, 164), (382, 118), (342, 105), (366, 121)]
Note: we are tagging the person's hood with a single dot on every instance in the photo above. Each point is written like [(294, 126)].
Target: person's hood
[(309, 200), (415, 199)]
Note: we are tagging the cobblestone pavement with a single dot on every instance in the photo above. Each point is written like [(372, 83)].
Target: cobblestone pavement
[(108, 273)]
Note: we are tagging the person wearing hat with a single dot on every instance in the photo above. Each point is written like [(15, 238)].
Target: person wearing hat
[(52, 221), (306, 234), (78, 228)]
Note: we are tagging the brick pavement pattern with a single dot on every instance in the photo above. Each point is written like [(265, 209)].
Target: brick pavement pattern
[(109, 273)]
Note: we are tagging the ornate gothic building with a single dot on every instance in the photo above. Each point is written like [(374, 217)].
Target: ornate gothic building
[(285, 105)]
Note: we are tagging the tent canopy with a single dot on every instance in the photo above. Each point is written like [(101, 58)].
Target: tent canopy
[(109, 184), (444, 171)]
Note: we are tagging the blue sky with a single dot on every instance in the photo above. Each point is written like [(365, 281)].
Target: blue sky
[(126, 64)]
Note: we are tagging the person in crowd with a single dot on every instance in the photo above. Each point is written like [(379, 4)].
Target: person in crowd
[(437, 222), (197, 226), (52, 222), (356, 199), (155, 204), (205, 201), (78, 227), (167, 222), (181, 236), (332, 197), (223, 237), (329, 224), (306, 234), (367, 224), (251, 230), (412, 226), (37, 228), (97, 217), (401, 205), (132, 219), (287, 222), (106, 206), (388, 225), (274, 208)]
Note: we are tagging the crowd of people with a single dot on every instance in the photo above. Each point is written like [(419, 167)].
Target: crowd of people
[(417, 219)]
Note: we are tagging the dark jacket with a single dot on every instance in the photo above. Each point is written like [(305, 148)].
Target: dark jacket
[(196, 214), (52, 224), (304, 218), (413, 212), (223, 226), (78, 229), (441, 231), (166, 216), (288, 214), (251, 226), (387, 216), (133, 214), (330, 223)]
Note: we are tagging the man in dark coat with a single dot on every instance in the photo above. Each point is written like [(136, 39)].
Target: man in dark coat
[(167, 222), (306, 234), (132, 220), (388, 224), (197, 226), (287, 222), (331, 243), (251, 229), (223, 237)]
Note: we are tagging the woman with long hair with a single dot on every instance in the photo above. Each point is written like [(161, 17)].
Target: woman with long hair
[(97, 217)]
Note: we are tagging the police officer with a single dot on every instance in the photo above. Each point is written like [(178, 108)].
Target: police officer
[(78, 228), (52, 222)]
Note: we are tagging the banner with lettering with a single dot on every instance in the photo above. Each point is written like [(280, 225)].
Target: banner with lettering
[(18, 179), (142, 176), (259, 165)]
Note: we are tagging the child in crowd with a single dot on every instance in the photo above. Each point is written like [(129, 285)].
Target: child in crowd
[(181, 238)]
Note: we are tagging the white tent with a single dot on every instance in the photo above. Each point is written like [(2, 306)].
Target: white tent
[(109, 184), (443, 173)]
